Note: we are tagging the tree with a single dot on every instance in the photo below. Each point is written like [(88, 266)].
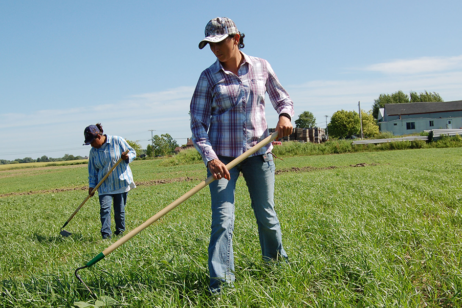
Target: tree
[(149, 151), (426, 97), (67, 157), (370, 127), (344, 124), (164, 145), (136, 146), (305, 120), (25, 160), (400, 98), (395, 98)]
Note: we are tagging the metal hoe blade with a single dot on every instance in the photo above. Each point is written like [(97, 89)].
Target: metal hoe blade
[(80, 279), (65, 233)]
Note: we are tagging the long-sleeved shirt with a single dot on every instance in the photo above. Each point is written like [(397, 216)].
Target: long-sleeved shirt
[(103, 159), (228, 111)]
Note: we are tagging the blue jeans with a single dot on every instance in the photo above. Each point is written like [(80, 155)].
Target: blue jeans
[(258, 173), (120, 200)]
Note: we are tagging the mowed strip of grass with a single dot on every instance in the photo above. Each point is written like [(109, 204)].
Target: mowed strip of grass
[(381, 235)]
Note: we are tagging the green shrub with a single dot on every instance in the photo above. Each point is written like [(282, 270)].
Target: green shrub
[(384, 135), (418, 144), (189, 156)]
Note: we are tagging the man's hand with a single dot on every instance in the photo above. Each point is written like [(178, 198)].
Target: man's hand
[(284, 127), (90, 189), (218, 170)]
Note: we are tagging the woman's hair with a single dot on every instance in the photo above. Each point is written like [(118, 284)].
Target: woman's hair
[(241, 40), (100, 127)]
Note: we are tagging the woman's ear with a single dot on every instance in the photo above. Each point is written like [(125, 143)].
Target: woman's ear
[(237, 37)]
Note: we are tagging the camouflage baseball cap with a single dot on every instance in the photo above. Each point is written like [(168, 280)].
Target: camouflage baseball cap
[(217, 30)]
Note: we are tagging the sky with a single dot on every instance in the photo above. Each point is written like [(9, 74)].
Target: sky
[(133, 65)]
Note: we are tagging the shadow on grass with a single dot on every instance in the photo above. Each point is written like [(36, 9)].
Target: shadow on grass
[(58, 238)]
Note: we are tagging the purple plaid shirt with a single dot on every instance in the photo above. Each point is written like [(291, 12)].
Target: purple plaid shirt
[(228, 111)]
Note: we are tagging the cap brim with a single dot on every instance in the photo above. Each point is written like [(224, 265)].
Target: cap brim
[(212, 39), (88, 142)]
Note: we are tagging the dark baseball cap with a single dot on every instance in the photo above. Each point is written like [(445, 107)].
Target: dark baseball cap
[(90, 133)]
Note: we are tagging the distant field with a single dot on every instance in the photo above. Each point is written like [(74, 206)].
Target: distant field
[(43, 164), (362, 229)]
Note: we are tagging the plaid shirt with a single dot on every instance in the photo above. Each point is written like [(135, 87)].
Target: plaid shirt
[(228, 111), (101, 161)]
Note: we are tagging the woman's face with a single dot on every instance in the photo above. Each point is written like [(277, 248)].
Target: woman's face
[(98, 142), (225, 50)]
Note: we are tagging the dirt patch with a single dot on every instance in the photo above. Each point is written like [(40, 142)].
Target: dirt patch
[(359, 165), (158, 182), (59, 190), (311, 169)]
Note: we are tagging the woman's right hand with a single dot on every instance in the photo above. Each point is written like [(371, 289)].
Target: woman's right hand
[(90, 189), (218, 170)]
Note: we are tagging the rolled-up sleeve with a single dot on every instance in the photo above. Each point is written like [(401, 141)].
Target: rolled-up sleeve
[(125, 146), (278, 95), (200, 108)]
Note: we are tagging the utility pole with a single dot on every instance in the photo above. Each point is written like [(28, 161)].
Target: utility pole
[(360, 119), (152, 137), (327, 133)]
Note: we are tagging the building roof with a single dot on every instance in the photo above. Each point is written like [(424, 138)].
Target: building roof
[(421, 108)]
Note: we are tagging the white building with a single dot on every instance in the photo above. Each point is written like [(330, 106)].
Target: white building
[(403, 119)]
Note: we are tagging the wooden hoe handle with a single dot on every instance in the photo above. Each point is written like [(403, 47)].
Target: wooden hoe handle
[(180, 200)]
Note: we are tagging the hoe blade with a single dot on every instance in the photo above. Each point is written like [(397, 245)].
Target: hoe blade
[(65, 233)]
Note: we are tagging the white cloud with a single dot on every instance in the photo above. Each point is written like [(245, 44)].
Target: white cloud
[(57, 132), (418, 66)]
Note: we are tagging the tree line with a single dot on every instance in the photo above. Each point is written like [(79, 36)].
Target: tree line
[(44, 158)]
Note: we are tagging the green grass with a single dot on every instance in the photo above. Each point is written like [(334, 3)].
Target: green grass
[(387, 234)]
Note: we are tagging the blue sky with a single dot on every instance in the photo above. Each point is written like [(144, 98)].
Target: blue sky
[(133, 65)]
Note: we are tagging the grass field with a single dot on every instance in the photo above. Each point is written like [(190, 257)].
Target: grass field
[(363, 229)]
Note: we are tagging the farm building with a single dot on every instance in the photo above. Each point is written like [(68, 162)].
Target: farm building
[(314, 135), (403, 119)]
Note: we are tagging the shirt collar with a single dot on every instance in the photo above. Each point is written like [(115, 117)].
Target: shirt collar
[(216, 67)]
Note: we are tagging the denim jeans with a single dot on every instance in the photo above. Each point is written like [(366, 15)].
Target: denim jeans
[(105, 201), (258, 173)]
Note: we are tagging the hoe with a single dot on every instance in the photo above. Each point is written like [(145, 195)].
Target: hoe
[(170, 207), (67, 233)]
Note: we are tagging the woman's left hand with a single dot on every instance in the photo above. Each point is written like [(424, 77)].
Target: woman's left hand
[(284, 127)]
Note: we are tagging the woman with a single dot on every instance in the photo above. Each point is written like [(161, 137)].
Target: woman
[(228, 118), (105, 152)]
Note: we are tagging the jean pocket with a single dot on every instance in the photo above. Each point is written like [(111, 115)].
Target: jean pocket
[(267, 157)]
